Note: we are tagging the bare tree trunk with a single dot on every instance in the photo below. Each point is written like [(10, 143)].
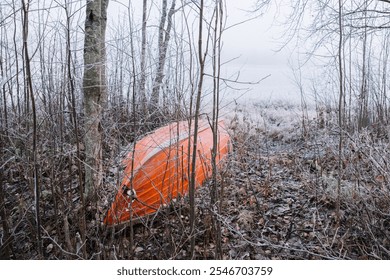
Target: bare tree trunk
[(3, 109), (162, 46), (30, 93), (341, 109), (350, 84), (218, 25), (71, 90), (192, 182), (142, 85), (363, 114), (384, 105), (135, 129), (94, 85), (16, 54)]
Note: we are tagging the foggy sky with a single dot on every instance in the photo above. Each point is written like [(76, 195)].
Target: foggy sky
[(253, 44)]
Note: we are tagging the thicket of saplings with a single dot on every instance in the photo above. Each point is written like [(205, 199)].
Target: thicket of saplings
[(59, 178)]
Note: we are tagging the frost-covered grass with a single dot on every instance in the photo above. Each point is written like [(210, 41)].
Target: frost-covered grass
[(287, 158)]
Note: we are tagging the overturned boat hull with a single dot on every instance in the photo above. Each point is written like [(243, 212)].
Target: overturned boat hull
[(156, 169)]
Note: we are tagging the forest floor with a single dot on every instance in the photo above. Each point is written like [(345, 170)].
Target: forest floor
[(279, 192)]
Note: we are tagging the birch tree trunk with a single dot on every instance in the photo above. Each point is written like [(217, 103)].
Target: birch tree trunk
[(94, 85), (143, 58)]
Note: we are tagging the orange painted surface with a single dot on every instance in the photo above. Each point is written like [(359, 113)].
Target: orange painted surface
[(160, 171)]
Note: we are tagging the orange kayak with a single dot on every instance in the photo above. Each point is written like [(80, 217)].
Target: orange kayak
[(156, 170)]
